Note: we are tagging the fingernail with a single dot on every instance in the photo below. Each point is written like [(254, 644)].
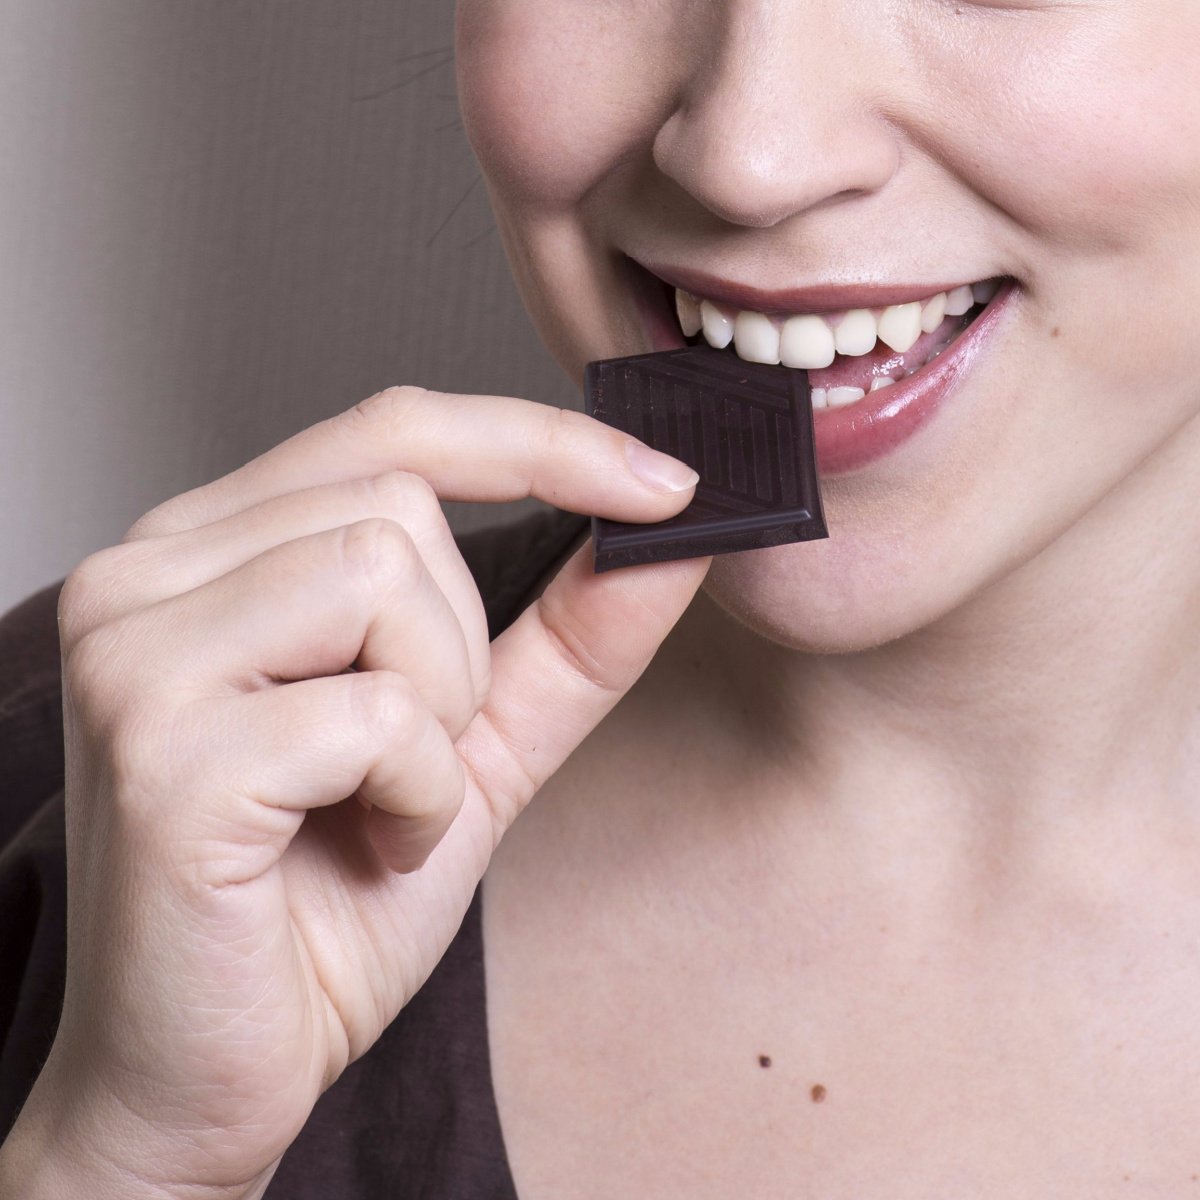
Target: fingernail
[(659, 471)]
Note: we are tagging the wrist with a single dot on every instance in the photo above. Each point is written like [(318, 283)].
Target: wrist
[(37, 1163), (55, 1153)]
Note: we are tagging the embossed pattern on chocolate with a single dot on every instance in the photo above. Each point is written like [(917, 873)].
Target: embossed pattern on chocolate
[(745, 427)]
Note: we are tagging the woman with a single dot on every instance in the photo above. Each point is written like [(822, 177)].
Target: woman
[(883, 879)]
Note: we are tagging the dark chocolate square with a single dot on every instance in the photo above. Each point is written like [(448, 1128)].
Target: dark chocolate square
[(747, 428)]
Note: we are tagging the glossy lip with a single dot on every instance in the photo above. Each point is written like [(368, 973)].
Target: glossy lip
[(851, 437), (822, 298)]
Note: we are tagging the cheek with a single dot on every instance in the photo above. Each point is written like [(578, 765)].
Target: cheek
[(1083, 128), (1080, 126), (555, 94)]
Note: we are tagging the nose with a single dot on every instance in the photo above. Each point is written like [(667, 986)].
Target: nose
[(776, 116)]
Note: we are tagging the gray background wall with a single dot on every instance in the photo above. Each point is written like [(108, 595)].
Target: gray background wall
[(221, 221)]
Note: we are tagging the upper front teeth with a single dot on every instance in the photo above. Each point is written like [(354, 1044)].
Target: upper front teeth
[(810, 340), (855, 333), (717, 324), (688, 311), (806, 342), (756, 338)]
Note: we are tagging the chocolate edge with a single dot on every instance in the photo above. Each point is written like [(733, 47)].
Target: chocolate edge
[(767, 528)]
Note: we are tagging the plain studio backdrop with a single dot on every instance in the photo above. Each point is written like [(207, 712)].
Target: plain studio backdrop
[(221, 221)]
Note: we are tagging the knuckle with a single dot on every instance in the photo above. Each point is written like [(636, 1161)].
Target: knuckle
[(564, 426), (145, 753), (563, 434), (87, 665), (571, 644), (380, 552), (144, 527), (554, 429), (407, 496), (158, 762), (117, 669), (87, 590), (162, 520), (93, 674), (385, 702), (387, 408), (127, 732)]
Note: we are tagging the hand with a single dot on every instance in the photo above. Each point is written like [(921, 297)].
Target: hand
[(269, 852)]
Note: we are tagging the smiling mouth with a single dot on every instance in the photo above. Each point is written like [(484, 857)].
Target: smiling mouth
[(848, 354), (881, 357)]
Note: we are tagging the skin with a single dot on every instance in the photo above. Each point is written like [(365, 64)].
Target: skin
[(911, 812)]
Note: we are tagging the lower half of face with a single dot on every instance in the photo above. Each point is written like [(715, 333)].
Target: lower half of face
[(976, 225)]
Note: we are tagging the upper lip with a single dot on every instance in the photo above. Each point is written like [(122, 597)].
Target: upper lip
[(817, 298)]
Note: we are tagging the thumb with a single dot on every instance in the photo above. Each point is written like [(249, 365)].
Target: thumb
[(563, 665)]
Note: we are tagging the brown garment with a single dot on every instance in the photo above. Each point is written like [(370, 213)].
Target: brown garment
[(415, 1118)]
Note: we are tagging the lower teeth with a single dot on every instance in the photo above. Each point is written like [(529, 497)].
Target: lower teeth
[(839, 397)]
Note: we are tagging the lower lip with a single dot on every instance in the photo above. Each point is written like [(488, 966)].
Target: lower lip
[(851, 437)]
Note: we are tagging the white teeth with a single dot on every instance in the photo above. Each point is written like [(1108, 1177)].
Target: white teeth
[(983, 292), (820, 398), (843, 395), (806, 342), (934, 313), (810, 341), (689, 313), (717, 325), (900, 326), (959, 301), (756, 338), (855, 335)]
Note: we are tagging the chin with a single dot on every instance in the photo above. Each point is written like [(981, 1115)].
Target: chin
[(824, 598)]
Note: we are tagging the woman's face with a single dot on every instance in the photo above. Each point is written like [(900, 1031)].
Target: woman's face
[(810, 157)]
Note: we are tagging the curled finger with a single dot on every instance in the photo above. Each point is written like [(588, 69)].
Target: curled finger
[(312, 744)]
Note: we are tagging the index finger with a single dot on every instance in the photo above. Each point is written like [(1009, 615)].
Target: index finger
[(488, 448)]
